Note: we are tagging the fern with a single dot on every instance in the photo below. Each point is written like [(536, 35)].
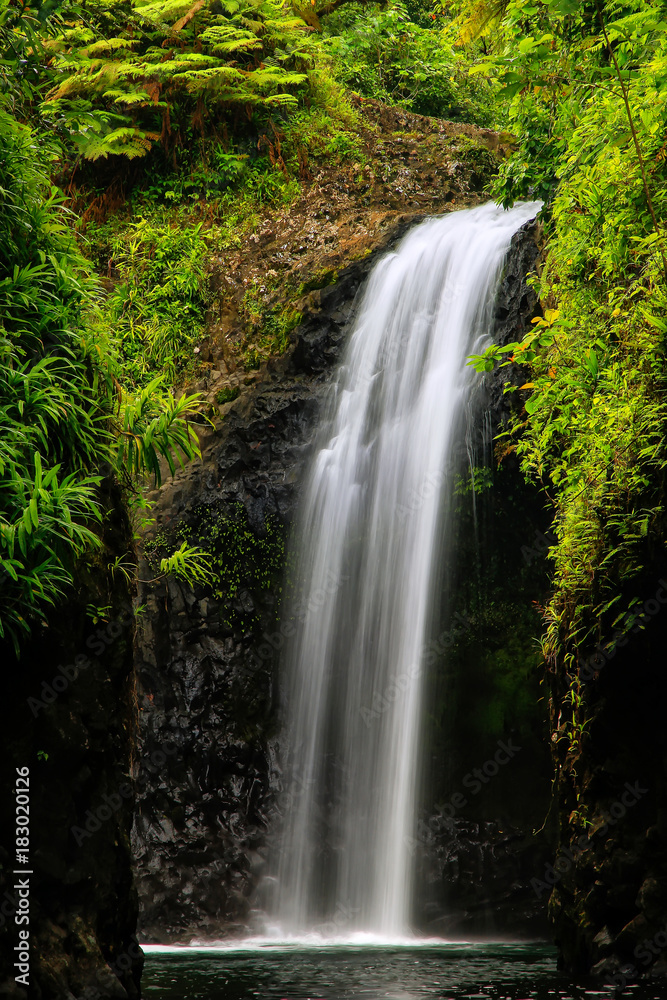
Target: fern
[(129, 142), (189, 563), (109, 46), (172, 56)]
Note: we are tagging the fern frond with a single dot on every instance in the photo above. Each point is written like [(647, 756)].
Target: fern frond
[(139, 98), (190, 564), (478, 16), (108, 46), (164, 10), (125, 141)]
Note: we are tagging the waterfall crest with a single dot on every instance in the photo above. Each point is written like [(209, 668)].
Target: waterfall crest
[(370, 535)]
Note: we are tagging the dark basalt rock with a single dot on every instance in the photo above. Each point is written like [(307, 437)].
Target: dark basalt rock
[(516, 301), (476, 874), (516, 305), (609, 900)]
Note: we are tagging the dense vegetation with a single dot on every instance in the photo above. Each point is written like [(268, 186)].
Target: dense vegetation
[(170, 124), (586, 86)]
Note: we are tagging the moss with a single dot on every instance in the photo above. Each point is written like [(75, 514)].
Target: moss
[(477, 157), (320, 279), (227, 395), (272, 325)]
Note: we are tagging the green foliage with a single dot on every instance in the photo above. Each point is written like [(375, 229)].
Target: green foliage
[(190, 564), (266, 185), (55, 393), (241, 557), (595, 440), (231, 557), (22, 31), (387, 52), (61, 419), (227, 395), (129, 73), (593, 433), (587, 86), (565, 95), (156, 310), (475, 480), (152, 427), (270, 325), (208, 176), (317, 133)]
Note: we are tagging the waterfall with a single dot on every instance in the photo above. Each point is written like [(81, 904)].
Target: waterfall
[(371, 539)]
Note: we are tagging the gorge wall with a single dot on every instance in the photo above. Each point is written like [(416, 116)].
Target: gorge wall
[(208, 662), (609, 875), (68, 715)]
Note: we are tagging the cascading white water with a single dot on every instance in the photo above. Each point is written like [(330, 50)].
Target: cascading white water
[(369, 533)]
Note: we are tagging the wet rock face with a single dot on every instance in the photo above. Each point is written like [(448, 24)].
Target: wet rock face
[(609, 874), (67, 714), (475, 880), (209, 778), (207, 663), (516, 301), (606, 879), (516, 305)]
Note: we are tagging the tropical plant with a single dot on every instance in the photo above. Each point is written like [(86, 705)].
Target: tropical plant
[(62, 421), (156, 308), (388, 53), (132, 73), (151, 427), (54, 393), (189, 563)]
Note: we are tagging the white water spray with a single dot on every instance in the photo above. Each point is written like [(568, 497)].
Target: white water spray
[(370, 531)]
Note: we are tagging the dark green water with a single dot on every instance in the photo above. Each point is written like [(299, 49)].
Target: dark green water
[(448, 972)]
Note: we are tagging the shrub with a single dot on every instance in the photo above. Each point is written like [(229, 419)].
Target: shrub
[(383, 53)]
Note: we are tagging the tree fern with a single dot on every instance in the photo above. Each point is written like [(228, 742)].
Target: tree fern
[(129, 142), (171, 56)]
